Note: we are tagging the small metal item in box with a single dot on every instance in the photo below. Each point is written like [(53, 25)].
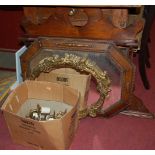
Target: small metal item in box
[(44, 114)]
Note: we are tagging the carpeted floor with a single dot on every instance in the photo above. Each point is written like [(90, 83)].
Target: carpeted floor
[(120, 132), (7, 78)]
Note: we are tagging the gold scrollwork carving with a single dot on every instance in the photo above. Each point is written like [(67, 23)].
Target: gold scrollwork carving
[(81, 64)]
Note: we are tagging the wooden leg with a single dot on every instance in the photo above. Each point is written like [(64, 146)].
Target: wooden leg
[(137, 108)]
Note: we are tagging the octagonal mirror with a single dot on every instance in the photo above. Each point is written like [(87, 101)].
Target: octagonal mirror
[(102, 54)]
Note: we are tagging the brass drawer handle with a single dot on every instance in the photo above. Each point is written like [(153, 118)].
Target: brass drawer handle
[(72, 12)]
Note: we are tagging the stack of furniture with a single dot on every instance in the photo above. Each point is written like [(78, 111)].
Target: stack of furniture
[(121, 26)]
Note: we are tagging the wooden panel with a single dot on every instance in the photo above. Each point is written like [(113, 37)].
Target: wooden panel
[(92, 23)]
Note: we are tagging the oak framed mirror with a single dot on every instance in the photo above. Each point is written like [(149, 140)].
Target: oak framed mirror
[(103, 54)]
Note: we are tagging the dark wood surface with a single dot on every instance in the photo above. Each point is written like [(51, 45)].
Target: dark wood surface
[(92, 23)]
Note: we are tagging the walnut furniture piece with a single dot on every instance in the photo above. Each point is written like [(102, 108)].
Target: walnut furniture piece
[(88, 29)]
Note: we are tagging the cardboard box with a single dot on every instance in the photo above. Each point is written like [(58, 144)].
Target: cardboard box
[(51, 134), (72, 78)]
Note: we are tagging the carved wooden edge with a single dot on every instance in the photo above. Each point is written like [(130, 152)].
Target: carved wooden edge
[(28, 40), (120, 18), (37, 15)]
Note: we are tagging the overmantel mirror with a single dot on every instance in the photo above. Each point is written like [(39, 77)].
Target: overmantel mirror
[(112, 73)]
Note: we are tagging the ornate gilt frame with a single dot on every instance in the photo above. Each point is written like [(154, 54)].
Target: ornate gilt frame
[(84, 65)]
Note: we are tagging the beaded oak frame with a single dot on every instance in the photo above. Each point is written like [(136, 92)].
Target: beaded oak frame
[(128, 102)]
